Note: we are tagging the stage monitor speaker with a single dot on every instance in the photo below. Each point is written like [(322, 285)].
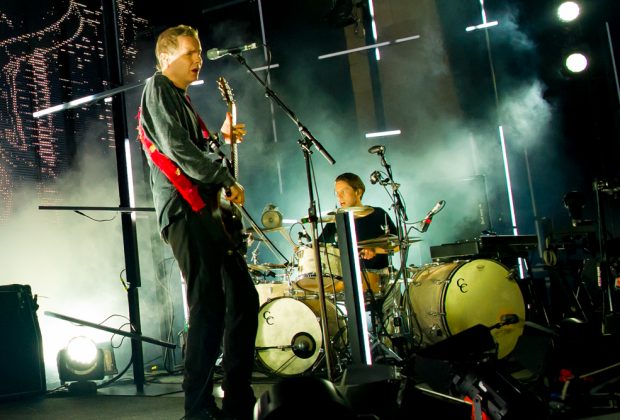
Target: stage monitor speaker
[(22, 371)]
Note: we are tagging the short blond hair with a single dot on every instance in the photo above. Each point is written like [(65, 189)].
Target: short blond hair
[(167, 41)]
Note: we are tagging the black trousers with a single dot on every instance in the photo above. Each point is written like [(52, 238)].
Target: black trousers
[(223, 304)]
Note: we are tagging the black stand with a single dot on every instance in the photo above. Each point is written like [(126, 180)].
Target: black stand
[(133, 336), (400, 214), (611, 322), (306, 143)]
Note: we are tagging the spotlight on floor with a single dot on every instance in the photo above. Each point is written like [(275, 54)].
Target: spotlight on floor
[(568, 11), (83, 361), (576, 62)]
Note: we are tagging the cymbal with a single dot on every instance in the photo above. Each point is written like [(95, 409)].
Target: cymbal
[(266, 266), (385, 242), (359, 211), (389, 242), (274, 266)]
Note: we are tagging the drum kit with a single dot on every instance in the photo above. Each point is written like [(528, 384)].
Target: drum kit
[(408, 311)]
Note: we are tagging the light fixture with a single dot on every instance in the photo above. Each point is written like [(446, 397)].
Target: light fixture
[(568, 11), (83, 361), (576, 62)]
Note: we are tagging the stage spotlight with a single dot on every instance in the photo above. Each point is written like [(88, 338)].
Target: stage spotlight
[(82, 361), (568, 11), (576, 62)]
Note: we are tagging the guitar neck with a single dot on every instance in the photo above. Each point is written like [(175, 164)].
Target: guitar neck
[(234, 161)]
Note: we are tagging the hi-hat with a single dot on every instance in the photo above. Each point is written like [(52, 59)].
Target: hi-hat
[(265, 267), (359, 211)]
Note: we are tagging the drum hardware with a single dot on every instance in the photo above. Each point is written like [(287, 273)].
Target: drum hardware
[(302, 344)]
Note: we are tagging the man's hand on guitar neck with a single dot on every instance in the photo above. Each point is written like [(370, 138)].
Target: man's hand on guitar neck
[(235, 194), (238, 130)]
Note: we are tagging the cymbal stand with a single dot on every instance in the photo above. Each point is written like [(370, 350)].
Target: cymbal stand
[(305, 144)]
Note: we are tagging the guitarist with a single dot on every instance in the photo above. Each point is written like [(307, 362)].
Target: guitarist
[(187, 181)]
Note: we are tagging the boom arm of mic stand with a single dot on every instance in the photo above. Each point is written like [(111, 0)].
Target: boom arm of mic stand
[(272, 95)]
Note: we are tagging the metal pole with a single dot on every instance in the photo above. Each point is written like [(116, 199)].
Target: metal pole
[(130, 242)]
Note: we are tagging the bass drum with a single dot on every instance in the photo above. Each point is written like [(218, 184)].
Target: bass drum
[(289, 337), (451, 297)]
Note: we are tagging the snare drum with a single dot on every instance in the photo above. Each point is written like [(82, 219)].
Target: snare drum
[(330, 266), (451, 297), (289, 335)]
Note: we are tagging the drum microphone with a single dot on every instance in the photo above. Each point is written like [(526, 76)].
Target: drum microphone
[(214, 53), (429, 216), (304, 234), (376, 177), (378, 149)]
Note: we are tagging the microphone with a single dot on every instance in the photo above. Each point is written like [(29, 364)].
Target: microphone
[(375, 177), (214, 53), (304, 234), (429, 216), (378, 149)]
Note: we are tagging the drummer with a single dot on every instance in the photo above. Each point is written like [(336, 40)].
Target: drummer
[(349, 190)]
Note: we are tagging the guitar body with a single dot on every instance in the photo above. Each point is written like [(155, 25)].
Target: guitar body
[(232, 220)]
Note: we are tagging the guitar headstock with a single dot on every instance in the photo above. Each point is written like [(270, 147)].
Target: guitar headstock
[(225, 90)]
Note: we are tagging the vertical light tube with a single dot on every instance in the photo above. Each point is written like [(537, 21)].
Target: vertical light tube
[(373, 25), (132, 198)]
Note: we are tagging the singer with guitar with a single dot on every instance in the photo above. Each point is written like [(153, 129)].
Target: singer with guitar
[(189, 184)]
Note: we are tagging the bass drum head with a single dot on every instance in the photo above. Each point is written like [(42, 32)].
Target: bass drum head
[(283, 323), (481, 292)]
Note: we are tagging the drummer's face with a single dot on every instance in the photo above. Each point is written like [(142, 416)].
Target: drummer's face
[(347, 196)]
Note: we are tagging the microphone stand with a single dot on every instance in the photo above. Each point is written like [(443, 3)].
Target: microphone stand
[(307, 141), (401, 219)]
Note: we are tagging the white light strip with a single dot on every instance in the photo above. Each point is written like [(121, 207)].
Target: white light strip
[(513, 216), (484, 12), (69, 104), (373, 24), (289, 221), (273, 66), (481, 26), (46, 111), (368, 47), (132, 199), (407, 38), (197, 83), (360, 292), (383, 134)]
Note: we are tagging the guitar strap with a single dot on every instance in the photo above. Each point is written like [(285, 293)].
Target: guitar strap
[(186, 187)]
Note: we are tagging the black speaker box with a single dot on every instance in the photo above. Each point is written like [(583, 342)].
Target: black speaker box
[(22, 371)]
